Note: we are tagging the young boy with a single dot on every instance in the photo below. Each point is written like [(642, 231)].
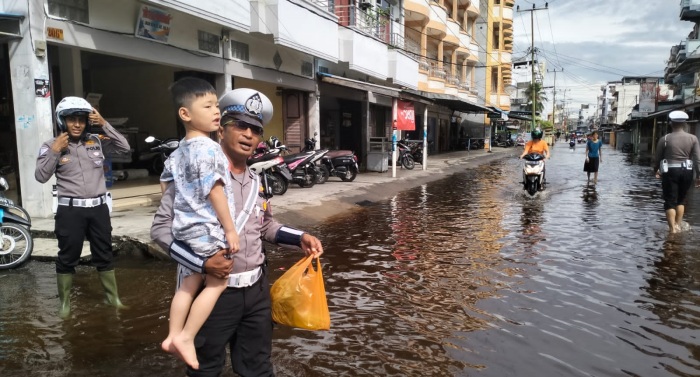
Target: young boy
[(203, 211)]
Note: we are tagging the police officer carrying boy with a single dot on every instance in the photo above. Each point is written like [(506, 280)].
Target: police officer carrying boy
[(242, 316), (77, 157), (677, 155)]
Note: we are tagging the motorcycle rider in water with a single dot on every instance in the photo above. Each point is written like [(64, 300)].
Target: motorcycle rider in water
[(537, 145)]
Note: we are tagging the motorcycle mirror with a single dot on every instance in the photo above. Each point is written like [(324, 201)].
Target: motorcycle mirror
[(3, 184), (150, 139)]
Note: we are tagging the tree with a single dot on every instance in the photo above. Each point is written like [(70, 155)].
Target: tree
[(538, 94)]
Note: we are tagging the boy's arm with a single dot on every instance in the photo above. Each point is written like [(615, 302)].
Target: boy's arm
[(218, 200)]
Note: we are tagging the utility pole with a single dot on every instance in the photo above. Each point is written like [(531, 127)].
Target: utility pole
[(554, 95), (532, 56)]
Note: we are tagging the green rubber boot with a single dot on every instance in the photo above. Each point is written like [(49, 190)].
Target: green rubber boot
[(109, 283), (64, 283)]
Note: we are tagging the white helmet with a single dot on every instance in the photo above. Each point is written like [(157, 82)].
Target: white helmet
[(247, 105), (71, 106), (678, 116)]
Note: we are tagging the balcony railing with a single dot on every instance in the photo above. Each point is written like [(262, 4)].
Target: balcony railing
[(406, 44), (423, 64), (373, 21), (437, 73), (452, 79)]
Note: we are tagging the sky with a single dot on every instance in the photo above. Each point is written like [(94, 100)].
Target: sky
[(596, 41)]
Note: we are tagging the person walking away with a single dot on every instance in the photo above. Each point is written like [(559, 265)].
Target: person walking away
[(242, 317), (677, 154), (77, 157), (594, 157), (204, 210)]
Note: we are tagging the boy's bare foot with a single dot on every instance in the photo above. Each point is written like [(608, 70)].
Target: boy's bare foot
[(169, 347), (185, 347)]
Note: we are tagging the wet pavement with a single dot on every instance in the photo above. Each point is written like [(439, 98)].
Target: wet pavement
[(462, 276)]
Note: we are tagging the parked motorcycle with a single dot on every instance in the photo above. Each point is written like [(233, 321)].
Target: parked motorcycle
[(337, 163), (273, 171), (405, 159), (533, 173), (301, 165), (164, 148), (416, 149), (16, 243)]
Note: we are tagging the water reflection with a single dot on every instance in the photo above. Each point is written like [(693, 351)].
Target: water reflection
[(462, 276)]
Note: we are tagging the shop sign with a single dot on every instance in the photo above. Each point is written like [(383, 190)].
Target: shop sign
[(406, 116), (153, 24), (54, 32)]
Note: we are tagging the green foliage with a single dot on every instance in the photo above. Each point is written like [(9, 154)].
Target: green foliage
[(536, 92)]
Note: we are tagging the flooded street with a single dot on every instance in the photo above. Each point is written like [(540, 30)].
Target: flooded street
[(464, 276)]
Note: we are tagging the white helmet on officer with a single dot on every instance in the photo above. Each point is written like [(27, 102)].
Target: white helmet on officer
[(678, 116), (245, 105), (68, 106)]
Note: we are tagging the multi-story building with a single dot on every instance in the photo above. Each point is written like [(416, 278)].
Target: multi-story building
[(681, 72), (334, 67)]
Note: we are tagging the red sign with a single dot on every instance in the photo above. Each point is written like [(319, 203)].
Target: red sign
[(406, 116)]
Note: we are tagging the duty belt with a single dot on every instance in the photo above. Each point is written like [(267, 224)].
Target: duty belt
[(244, 279), (85, 203)]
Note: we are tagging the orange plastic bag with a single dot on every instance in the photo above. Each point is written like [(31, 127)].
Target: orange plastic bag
[(299, 297)]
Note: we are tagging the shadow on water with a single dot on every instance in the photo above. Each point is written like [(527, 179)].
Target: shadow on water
[(468, 275)]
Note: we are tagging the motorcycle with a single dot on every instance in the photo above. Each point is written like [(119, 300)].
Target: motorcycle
[(338, 163), (405, 159), (273, 171), (572, 144), (163, 149), (302, 165), (416, 150), (533, 173), (16, 243)]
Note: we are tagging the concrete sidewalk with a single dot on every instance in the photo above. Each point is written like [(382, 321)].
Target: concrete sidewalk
[(131, 226)]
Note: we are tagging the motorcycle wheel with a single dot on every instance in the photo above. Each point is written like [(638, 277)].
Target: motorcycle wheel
[(156, 166), (309, 179), (278, 185), (407, 162), (322, 174), (350, 175), (532, 187), (16, 245)]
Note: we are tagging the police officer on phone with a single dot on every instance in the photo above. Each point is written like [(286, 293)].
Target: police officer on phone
[(76, 157), (677, 155)]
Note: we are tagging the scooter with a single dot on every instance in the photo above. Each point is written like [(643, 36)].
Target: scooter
[(164, 148), (533, 173), (405, 159), (338, 163), (273, 171), (572, 144), (16, 243), (301, 165), (416, 150)]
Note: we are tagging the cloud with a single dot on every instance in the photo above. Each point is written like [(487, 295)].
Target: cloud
[(597, 41)]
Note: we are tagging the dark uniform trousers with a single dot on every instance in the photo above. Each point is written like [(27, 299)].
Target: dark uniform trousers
[(675, 185), (73, 225), (242, 319)]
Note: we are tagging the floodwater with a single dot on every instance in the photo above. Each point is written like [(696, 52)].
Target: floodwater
[(467, 276)]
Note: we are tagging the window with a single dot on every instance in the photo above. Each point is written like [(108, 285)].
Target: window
[(239, 50), (75, 10), (496, 38), (494, 80), (208, 42), (307, 69)]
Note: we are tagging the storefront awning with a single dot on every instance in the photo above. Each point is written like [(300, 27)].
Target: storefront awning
[(453, 102), (10, 25), (360, 85)]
